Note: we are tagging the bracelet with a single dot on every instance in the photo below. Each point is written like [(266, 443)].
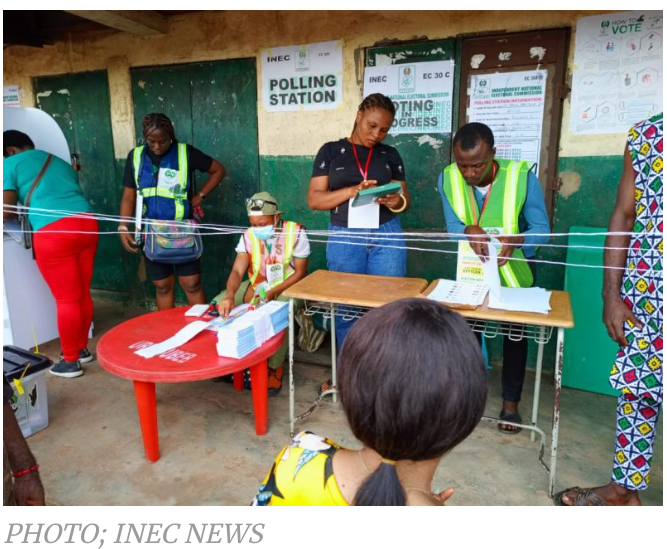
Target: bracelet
[(26, 471), (402, 208), (123, 228)]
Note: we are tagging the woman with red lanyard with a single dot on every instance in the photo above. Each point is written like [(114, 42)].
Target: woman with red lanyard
[(343, 168), (64, 241)]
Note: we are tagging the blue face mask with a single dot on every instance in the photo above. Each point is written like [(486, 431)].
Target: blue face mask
[(263, 233)]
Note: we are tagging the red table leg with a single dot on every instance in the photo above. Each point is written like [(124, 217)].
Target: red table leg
[(259, 377), (238, 381), (144, 392)]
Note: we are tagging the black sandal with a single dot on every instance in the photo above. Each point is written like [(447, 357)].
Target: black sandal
[(512, 418), (582, 497)]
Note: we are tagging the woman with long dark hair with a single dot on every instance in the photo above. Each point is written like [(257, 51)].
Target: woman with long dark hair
[(413, 386)]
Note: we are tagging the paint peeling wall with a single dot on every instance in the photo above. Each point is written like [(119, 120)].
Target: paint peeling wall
[(233, 34)]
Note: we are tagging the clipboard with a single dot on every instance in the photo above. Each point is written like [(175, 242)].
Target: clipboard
[(368, 196)]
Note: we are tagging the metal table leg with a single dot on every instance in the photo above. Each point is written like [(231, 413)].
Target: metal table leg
[(558, 378), (291, 367), (334, 396), (538, 382)]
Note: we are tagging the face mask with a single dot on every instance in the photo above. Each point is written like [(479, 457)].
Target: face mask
[(263, 233)]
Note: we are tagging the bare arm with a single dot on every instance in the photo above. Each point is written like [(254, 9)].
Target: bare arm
[(239, 269), (9, 198), (28, 489), (395, 201), (321, 198), (616, 312), (216, 173), (127, 205)]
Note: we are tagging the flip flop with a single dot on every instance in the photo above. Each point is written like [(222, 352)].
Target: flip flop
[(582, 497), (512, 418)]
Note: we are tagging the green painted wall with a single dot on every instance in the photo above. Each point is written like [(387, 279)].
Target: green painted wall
[(214, 108)]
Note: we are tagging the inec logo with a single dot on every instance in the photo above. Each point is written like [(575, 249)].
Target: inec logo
[(170, 173), (302, 59)]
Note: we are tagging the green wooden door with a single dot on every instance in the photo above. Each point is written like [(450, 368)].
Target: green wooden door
[(214, 108), (425, 155), (80, 105)]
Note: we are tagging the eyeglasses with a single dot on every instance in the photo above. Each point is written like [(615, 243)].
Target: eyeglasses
[(257, 203)]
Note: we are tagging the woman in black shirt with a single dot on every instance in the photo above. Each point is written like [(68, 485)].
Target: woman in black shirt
[(342, 168)]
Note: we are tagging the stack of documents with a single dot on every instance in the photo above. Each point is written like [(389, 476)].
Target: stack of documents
[(247, 333), (526, 300), (459, 294)]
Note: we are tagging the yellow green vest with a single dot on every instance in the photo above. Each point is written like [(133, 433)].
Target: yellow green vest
[(285, 241), (508, 195)]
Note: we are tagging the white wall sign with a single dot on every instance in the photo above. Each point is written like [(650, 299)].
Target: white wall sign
[(512, 105), (305, 77), (10, 96), (422, 93), (617, 77)]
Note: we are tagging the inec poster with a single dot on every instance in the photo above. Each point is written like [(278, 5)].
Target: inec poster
[(512, 105), (422, 93), (617, 76), (10, 96), (304, 77)]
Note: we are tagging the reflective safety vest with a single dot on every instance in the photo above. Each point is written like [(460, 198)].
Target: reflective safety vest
[(506, 200), (165, 192), (281, 253)]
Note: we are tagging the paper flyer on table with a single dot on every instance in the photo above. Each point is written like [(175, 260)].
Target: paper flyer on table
[(180, 338)]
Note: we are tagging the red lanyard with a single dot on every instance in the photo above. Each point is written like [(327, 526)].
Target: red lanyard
[(363, 173), (486, 200)]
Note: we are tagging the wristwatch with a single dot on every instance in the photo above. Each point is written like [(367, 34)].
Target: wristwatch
[(203, 196)]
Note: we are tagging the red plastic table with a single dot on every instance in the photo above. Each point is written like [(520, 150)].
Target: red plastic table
[(194, 361)]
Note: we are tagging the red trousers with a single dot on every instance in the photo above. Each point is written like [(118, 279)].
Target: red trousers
[(65, 258)]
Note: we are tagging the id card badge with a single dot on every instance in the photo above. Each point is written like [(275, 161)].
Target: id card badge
[(274, 274), (363, 217), (167, 179)]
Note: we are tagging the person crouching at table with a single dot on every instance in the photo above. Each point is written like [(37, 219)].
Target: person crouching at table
[(274, 253)]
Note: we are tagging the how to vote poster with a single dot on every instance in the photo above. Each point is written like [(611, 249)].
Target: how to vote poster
[(617, 76), (303, 77), (422, 93)]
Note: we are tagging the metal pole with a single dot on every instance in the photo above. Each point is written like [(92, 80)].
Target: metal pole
[(538, 381), (291, 367), (334, 396), (558, 375)]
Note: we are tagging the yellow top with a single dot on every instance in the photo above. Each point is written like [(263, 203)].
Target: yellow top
[(302, 474)]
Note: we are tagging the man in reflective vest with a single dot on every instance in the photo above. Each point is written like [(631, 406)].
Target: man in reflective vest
[(483, 195), (274, 253)]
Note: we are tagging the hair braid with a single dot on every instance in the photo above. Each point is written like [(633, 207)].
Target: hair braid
[(155, 121), (378, 100)]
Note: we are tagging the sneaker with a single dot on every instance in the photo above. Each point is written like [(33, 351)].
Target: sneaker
[(67, 369), (275, 381), (85, 356)]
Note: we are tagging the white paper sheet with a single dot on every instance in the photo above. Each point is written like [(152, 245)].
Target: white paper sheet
[(464, 293), (363, 217), (138, 216), (180, 338), (491, 274), (526, 300)]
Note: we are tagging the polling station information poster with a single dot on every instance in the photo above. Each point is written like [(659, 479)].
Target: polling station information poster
[(422, 93), (617, 76), (304, 77), (10, 96), (512, 104)]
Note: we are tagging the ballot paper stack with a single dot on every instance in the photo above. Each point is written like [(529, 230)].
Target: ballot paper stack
[(526, 300), (247, 333)]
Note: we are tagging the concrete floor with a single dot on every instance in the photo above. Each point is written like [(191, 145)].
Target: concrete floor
[(92, 453)]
